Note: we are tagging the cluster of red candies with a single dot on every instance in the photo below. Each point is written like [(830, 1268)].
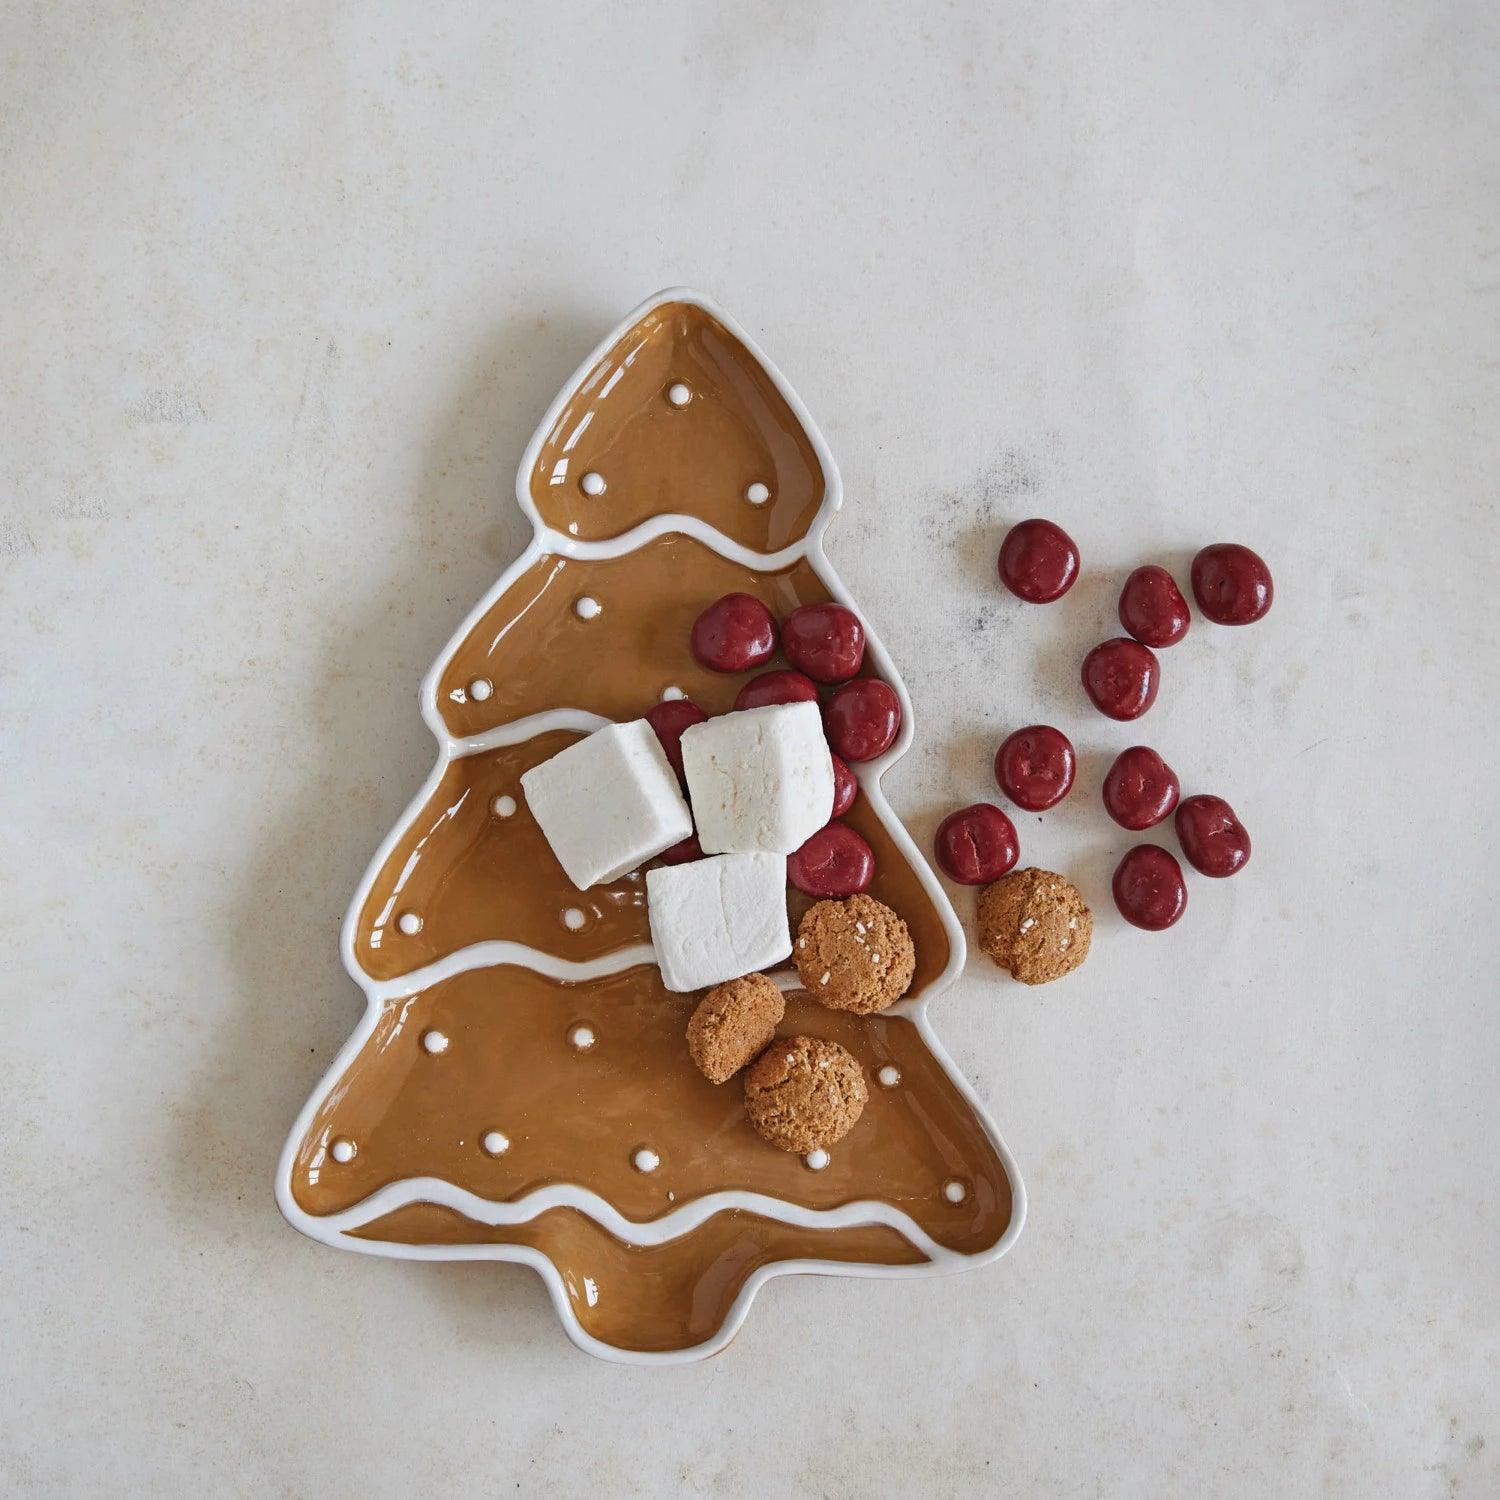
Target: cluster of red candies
[(1035, 766), (825, 644)]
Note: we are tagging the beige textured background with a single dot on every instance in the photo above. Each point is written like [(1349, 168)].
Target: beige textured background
[(283, 287)]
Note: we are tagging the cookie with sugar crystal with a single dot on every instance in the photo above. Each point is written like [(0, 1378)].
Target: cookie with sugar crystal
[(1034, 923), (733, 1022), (804, 1093), (855, 954)]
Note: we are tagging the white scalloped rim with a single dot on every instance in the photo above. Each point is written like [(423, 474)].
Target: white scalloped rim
[(332, 1229)]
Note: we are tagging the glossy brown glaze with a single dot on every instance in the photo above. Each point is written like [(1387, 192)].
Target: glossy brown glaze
[(473, 866), (698, 459), (473, 873), (537, 652), (473, 876), (653, 1297), (579, 1116)]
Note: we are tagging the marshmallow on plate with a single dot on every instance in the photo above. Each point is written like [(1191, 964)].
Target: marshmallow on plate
[(718, 919), (760, 780), (608, 803)]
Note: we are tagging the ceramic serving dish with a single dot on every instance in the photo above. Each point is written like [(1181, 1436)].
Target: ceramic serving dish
[(518, 1088)]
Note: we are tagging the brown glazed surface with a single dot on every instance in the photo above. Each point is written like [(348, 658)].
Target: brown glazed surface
[(537, 653), (652, 1297), (478, 877), (577, 1117), (698, 459)]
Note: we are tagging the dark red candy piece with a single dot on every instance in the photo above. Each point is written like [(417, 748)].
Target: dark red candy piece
[(684, 853), (1231, 584), (1035, 767), (976, 844), (777, 687), (1140, 789), (1149, 888), (824, 640), (1121, 676), (1213, 839), (833, 863), (862, 719), (1152, 608), (734, 634), (845, 788), (1038, 561), (669, 718)]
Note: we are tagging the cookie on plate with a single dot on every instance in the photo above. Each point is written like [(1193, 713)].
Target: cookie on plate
[(805, 1093), (855, 954), (732, 1023)]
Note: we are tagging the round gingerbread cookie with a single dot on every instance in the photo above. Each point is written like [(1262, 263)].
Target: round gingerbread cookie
[(804, 1093), (1034, 923), (732, 1023), (855, 954)]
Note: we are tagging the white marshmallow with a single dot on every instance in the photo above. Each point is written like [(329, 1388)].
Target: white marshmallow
[(759, 780), (718, 919), (608, 803)]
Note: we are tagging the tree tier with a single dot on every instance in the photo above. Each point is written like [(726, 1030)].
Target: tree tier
[(734, 437), (511, 1063)]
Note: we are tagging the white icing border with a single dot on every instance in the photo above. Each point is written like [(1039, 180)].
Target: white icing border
[(331, 1229)]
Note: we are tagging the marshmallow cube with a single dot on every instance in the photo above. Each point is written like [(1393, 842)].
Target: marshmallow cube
[(608, 803), (718, 919), (760, 780)]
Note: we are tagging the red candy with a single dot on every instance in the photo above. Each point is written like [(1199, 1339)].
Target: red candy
[(824, 640), (734, 634), (835, 862), (1213, 839), (1149, 888), (1038, 561), (845, 788), (1140, 789), (669, 718), (976, 844), (684, 853), (862, 719), (1121, 676), (1231, 584), (777, 687), (1152, 608), (1035, 767)]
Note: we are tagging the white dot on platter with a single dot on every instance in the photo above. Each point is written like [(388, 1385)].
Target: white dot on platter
[(592, 483), (495, 1143), (757, 494), (410, 923), (817, 1159), (645, 1160), (678, 394), (582, 1037), (574, 918), (342, 1150), (587, 608), (504, 806), (480, 689), (671, 693), (954, 1191), (435, 1041), (889, 1076)]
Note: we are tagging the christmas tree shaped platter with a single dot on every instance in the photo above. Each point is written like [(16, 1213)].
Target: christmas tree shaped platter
[(519, 1087)]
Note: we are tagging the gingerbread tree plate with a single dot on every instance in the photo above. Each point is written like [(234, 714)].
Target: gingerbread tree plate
[(519, 1087)]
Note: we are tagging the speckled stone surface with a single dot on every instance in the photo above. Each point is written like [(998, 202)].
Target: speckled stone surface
[(284, 288)]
